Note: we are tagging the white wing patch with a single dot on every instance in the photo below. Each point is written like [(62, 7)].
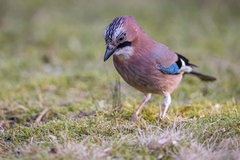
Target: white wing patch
[(184, 67)]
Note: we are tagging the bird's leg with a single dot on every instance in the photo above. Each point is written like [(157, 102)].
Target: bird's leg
[(147, 97), (166, 103)]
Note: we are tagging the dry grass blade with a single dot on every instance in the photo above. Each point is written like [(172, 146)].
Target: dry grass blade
[(41, 115)]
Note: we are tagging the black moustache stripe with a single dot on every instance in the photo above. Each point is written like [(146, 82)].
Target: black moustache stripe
[(124, 44)]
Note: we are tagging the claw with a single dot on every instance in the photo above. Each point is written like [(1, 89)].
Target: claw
[(162, 119), (134, 118)]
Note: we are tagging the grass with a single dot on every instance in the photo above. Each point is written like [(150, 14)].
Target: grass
[(58, 99)]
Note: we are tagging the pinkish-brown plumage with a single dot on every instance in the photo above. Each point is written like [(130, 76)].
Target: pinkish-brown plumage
[(146, 77), (143, 63)]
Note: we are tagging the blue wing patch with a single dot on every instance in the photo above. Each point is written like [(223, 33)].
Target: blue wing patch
[(172, 69)]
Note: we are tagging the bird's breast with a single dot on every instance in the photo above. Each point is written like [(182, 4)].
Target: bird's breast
[(142, 74)]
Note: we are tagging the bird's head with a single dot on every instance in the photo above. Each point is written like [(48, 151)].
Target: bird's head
[(119, 36)]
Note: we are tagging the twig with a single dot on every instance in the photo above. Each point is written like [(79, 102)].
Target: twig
[(41, 115)]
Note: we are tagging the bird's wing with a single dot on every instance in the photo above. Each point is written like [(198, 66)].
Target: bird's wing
[(181, 65), (171, 62)]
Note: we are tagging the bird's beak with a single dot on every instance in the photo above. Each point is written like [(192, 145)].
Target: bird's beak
[(109, 52)]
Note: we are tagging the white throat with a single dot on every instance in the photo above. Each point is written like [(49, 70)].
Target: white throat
[(124, 53)]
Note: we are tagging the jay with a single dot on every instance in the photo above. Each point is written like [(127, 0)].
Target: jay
[(145, 64)]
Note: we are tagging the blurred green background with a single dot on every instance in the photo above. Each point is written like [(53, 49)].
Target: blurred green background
[(51, 52)]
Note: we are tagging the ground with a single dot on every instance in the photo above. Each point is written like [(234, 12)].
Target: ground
[(59, 100)]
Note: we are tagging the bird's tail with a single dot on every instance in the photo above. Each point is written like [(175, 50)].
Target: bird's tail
[(203, 77)]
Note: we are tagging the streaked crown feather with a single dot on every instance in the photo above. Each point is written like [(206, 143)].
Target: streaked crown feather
[(113, 28)]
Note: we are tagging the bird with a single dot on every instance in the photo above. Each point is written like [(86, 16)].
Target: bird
[(145, 64)]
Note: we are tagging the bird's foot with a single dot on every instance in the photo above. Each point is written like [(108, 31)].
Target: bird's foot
[(134, 118), (162, 119)]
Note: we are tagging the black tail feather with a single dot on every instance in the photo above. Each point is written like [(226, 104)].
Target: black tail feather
[(203, 77)]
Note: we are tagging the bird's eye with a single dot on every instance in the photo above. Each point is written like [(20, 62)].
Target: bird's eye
[(121, 38)]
